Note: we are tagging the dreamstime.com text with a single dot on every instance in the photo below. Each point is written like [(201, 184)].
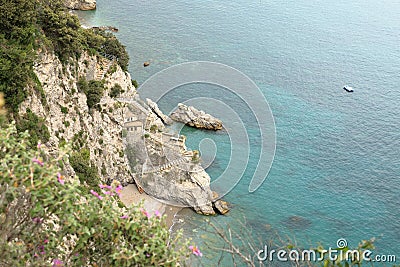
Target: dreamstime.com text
[(332, 254)]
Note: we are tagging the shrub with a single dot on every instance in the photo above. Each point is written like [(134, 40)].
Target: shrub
[(64, 110), (84, 168), (153, 128), (59, 224), (27, 25), (92, 89), (82, 84), (114, 47), (35, 126), (135, 83), (115, 90)]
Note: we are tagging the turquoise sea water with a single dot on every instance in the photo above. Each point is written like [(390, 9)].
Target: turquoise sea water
[(337, 161)]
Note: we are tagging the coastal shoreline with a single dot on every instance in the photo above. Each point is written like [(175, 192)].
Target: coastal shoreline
[(130, 195)]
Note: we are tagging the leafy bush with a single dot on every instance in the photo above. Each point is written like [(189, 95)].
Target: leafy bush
[(116, 90), (16, 68), (153, 128), (27, 25), (47, 220), (84, 168), (62, 29), (35, 126), (64, 110), (135, 83), (114, 47), (93, 90)]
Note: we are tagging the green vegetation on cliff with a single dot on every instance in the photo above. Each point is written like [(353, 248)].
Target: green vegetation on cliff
[(29, 26)]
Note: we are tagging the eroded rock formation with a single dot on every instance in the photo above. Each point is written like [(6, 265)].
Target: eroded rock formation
[(195, 118), (81, 4)]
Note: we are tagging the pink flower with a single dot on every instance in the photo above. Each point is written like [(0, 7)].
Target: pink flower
[(118, 189), (108, 193), (196, 251), (46, 241), (145, 213), (94, 193), (124, 217), (157, 213), (39, 145), (57, 263), (41, 248), (38, 161), (60, 178), (102, 186)]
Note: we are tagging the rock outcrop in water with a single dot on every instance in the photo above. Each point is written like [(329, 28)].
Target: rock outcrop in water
[(81, 4), (195, 118), (162, 165)]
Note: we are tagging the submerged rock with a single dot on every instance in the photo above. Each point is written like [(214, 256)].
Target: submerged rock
[(221, 206), (81, 4), (297, 222), (195, 118)]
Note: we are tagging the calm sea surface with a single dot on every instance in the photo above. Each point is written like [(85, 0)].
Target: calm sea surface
[(337, 164)]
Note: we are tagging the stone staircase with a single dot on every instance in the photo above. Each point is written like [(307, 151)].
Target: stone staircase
[(104, 65), (134, 103), (166, 165)]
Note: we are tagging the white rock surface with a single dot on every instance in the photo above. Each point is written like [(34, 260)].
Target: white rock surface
[(81, 4), (195, 118), (102, 130)]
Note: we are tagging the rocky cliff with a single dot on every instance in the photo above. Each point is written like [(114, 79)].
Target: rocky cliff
[(81, 4), (69, 119), (125, 138)]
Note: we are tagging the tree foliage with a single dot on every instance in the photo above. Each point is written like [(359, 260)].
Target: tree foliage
[(84, 168), (27, 25), (35, 126), (93, 90)]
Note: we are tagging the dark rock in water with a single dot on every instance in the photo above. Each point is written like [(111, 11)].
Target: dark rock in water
[(221, 206), (204, 210), (297, 222), (146, 64), (105, 28)]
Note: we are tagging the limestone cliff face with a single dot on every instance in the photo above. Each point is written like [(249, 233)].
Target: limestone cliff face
[(127, 139), (67, 115), (81, 4)]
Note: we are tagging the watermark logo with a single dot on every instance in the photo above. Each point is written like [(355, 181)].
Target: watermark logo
[(341, 253), (341, 243), (243, 88)]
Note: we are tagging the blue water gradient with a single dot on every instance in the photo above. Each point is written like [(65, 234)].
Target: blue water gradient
[(337, 161)]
